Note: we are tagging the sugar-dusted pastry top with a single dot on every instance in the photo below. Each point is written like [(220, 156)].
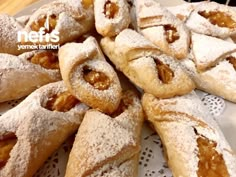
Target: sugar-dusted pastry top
[(187, 129), (9, 27), (108, 143), (213, 19), (162, 28), (34, 124)]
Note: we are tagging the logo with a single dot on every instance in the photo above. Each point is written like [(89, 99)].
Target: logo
[(40, 39)]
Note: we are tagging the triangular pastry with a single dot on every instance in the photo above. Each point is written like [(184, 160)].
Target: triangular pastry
[(9, 27), (71, 18), (183, 11), (145, 65), (111, 16), (213, 19), (27, 72), (212, 66), (207, 50), (33, 130), (89, 76), (108, 145), (193, 142), (162, 28)]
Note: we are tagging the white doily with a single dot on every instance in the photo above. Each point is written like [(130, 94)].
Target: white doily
[(151, 162)]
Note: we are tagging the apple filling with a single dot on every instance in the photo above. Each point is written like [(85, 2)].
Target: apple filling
[(47, 59), (232, 60), (110, 9), (87, 3), (171, 33), (52, 22), (62, 102), (165, 74), (97, 79), (7, 142), (211, 163), (218, 18)]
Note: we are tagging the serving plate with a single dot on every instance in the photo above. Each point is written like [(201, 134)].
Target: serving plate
[(151, 163)]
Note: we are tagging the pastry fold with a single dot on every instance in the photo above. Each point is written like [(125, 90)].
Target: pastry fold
[(108, 145), (70, 18), (143, 63), (9, 28), (26, 72), (111, 16), (33, 130), (213, 19), (193, 142), (89, 76), (162, 28), (214, 73)]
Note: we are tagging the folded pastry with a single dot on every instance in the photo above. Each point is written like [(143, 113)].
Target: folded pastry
[(88, 76), (183, 11), (111, 16), (212, 66), (108, 145), (70, 18), (213, 19), (193, 143), (33, 130), (8, 34), (162, 28), (23, 19), (22, 75), (144, 65)]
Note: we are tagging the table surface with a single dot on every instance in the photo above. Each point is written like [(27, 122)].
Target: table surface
[(11, 7)]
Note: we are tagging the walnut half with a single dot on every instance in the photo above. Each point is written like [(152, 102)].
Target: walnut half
[(110, 9), (171, 33), (219, 18), (62, 102), (47, 59), (7, 142), (97, 79), (165, 74)]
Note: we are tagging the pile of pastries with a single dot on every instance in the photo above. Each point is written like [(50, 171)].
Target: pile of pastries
[(167, 53)]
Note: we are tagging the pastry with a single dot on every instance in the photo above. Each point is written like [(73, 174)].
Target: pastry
[(213, 19), (183, 11), (212, 66), (28, 131), (162, 28), (193, 142), (23, 19), (88, 76), (111, 16), (8, 35), (145, 65), (108, 145), (66, 19), (21, 75)]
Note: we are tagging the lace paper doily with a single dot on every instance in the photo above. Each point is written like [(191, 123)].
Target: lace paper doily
[(151, 162)]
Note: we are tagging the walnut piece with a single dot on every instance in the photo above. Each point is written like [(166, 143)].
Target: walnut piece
[(97, 79), (232, 60), (171, 33), (165, 74), (211, 163), (218, 18), (7, 142), (62, 102), (110, 9), (52, 19), (47, 59)]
